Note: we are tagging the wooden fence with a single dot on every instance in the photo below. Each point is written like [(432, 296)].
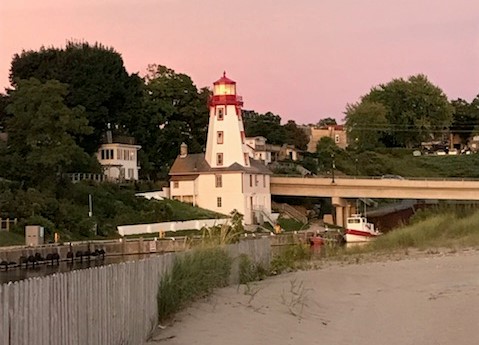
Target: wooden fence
[(113, 304)]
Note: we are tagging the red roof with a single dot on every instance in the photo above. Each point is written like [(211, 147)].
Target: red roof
[(224, 80)]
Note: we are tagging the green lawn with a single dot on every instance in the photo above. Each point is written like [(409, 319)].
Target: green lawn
[(11, 238)]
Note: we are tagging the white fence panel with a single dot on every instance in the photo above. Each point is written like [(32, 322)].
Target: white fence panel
[(108, 305)]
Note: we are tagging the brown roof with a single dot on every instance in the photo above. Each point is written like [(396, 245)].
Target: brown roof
[(196, 163), (184, 177)]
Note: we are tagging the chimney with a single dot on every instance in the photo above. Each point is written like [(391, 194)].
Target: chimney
[(183, 150), (109, 137)]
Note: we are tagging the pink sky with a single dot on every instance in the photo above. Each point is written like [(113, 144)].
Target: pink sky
[(304, 60)]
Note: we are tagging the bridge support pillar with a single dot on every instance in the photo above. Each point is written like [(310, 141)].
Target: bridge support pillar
[(343, 210)]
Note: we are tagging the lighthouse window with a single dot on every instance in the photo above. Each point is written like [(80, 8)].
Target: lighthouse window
[(219, 159), (219, 137), (219, 181), (220, 114)]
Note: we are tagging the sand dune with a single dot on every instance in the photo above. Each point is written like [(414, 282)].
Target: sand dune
[(423, 300)]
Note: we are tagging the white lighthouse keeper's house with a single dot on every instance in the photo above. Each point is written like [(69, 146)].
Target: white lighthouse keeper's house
[(224, 178)]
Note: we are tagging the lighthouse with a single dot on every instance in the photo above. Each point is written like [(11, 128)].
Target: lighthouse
[(223, 178), (226, 138)]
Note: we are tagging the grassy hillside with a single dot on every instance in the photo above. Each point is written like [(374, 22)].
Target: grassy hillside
[(444, 230), (402, 162), (66, 210)]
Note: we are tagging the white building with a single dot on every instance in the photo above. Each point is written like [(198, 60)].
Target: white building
[(258, 150), (119, 158), (224, 178)]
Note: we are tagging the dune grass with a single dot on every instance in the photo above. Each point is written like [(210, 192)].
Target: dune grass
[(194, 275), (447, 230)]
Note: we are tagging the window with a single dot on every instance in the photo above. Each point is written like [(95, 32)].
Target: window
[(176, 184), (218, 202), (246, 159), (256, 180), (219, 159), (219, 181), (219, 137), (107, 154), (251, 180), (131, 173), (119, 154), (336, 138), (220, 114), (126, 155)]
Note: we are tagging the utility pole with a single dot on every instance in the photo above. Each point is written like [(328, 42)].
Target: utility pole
[(90, 206)]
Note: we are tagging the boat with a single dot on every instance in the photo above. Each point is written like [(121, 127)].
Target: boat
[(359, 230)]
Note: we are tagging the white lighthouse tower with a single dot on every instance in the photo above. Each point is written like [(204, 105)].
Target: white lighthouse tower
[(224, 179), (226, 138)]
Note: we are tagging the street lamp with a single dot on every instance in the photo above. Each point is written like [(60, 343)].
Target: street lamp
[(333, 166)]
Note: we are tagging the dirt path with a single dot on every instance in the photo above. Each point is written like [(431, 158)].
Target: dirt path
[(425, 300)]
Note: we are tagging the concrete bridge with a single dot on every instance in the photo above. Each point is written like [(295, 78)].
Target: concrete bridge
[(343, 188)]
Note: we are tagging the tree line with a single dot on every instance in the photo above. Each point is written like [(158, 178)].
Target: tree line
[(406, 112), (64, 99)]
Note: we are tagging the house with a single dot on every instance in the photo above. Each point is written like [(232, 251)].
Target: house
[(224, 178), (289, 152), (259, 150), (336, 132), (118, 157)]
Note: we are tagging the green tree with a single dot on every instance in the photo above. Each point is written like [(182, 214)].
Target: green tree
[(326, 149), (465, 117), (266, 125), (295, 135), (97, 80), (417, 110), (41, 144), (4, 100), (175, 111), (328, 121), (365, 124)]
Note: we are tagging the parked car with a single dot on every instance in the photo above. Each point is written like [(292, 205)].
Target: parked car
[(392, 177)]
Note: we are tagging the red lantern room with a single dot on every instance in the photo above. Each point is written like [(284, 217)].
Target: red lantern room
[(224, 92)]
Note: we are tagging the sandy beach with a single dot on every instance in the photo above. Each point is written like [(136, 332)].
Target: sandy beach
[(427, 299)]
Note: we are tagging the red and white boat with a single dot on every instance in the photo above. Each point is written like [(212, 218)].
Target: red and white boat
[(359, 230)]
